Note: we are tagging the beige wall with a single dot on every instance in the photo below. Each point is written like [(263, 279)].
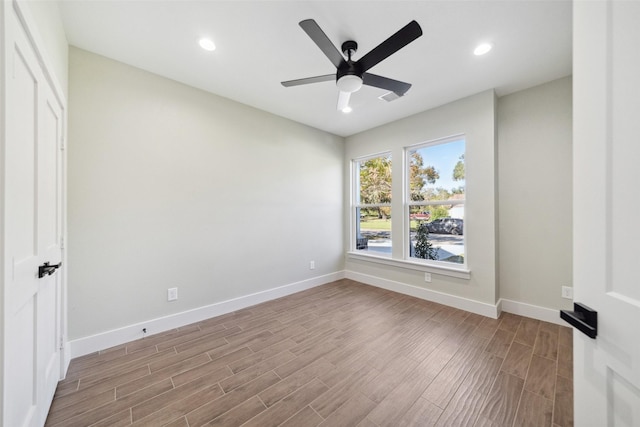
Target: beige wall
[(475, 118), (174, 187), (535, 194), (519, 205), (170, 186)]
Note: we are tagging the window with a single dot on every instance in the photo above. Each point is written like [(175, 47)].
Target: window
[(435, 201), (371, 208)]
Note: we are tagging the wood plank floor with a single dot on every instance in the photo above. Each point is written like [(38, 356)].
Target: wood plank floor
[(342, 354)]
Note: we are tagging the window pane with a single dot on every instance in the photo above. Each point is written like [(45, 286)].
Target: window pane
[(374, 230), (375, 180), (373, 213), (436, 172), (437, 233)]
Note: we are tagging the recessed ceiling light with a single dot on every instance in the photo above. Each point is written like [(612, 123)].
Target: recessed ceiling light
[(347, 110), (207, 44), (482, 48)]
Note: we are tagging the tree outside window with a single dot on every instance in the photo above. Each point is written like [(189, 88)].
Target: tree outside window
[(372, 208)]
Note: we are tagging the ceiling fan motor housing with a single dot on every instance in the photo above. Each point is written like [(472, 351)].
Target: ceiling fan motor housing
[(349, 74), (349, 48)]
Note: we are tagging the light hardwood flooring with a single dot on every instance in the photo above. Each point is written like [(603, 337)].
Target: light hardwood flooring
[(342, 354)]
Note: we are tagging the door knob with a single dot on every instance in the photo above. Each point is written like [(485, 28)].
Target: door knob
[(47, 270), (583, 318)]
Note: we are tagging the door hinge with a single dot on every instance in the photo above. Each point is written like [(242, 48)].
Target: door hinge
[(61, 343), (62, 242)]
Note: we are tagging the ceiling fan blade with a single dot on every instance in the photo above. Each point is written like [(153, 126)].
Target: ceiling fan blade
[(308, 80), (343, 100), (400, 39), (395, 86), (318, 36)]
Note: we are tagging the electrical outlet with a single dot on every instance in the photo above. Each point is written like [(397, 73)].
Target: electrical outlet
[(427, 277), (567, 292), (172, 294), (312, 265)]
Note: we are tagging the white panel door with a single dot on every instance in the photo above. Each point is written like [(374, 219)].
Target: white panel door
[(33, 186), (49, 233), (606, 210)]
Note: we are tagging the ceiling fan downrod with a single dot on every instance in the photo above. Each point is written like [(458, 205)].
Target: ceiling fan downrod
[(348, 77)]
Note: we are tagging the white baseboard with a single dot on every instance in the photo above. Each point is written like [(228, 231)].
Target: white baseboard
[(91, 344), (533, 311), (66, 360), (484, 309)]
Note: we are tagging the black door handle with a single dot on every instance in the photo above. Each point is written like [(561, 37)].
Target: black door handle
[(47, 270), (583, 318)]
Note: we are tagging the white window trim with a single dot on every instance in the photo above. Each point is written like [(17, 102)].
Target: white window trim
[(460, 271), (407, 203), (413, 264), (355, 199), (437, 203)]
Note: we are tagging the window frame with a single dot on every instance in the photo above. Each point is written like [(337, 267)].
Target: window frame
[(356, 205), (408, 204), (402, 225)]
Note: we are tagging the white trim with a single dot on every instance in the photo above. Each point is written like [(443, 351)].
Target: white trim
[(484, 309), (533, 311), (36, 40), (437, 141), (460, 273), (385, 153), (66, 360), (489, 310), (104, 340), (91, 344), (438, 202)]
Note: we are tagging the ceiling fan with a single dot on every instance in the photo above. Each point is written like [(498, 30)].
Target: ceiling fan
[(351, 75)]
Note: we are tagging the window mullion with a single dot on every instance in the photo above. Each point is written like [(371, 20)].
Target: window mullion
[(438, 202)]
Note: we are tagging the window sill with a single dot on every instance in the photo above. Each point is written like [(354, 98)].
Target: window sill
[(461, 273)]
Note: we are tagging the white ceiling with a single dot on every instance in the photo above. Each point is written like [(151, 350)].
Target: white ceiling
[(259, 44)]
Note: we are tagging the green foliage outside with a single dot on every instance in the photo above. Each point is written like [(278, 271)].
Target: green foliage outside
[(375, 183), (458, 170), (375, 188), (376, 224), (439, 211), (424, 248), (419, 176)]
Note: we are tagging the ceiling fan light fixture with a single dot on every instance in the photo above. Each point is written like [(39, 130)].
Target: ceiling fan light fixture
[(349, 83)]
